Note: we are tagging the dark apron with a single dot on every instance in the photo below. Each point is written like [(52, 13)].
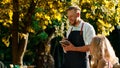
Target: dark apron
[(75, 59)]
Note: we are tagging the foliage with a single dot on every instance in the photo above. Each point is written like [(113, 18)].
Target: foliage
[(47, 14), (50, 14), (46, 17), (102, 14)]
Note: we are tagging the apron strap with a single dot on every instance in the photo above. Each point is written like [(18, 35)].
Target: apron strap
[(81, 30), (71, 29)]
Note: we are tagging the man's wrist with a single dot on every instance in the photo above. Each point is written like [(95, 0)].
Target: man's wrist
[(75, 49)]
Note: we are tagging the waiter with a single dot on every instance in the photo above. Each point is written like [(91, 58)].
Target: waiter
[(79, 35)]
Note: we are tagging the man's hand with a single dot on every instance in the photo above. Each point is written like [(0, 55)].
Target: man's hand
[(65, 42), (69, 47)]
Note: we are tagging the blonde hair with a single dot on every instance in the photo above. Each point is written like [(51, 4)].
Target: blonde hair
[(102, 49)]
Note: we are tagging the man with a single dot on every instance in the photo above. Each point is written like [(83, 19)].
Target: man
[(79, 34)]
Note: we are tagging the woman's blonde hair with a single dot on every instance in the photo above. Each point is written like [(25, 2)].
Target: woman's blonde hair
[(101, 48)]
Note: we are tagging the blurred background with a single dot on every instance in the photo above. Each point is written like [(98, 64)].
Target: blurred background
[(30, 30)]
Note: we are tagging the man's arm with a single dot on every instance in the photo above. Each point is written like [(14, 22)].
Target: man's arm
[(73, 48), (82, 48)]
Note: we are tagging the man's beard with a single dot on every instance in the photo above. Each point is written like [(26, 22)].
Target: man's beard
[(75, 22)]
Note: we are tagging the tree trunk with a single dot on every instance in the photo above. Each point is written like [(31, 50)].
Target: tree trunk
[(18, 49), (43, 57), (15, 31), (39, 60), (19, 40)]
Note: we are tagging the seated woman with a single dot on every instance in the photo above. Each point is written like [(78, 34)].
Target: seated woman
[(103, 55)]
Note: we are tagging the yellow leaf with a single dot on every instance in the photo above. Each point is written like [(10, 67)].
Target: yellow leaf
[(1, 20), (112, 28), (84, 10), (21, 15), (46, 22), (30, 30), (51, 5), (108, 25), (58, 16), (87, 15), (106, 33), (7, 23), (75, 1), (101, 22), (54, 10), (60, 10), (100, 16), (10, 21), (117, 19), (5, 40), (47, 17), (10, 14), (5, 1), (38, 15), (50, 22), (44, 27), (93, 8)]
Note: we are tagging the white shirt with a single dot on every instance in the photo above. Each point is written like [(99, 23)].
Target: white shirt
[(88, 31)]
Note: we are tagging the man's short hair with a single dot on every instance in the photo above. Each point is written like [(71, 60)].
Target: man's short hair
[(73, 7)]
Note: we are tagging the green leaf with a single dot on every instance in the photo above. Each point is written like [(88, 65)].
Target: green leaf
[(38, 10), (68, 0), (35, 25), (43, 35)]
